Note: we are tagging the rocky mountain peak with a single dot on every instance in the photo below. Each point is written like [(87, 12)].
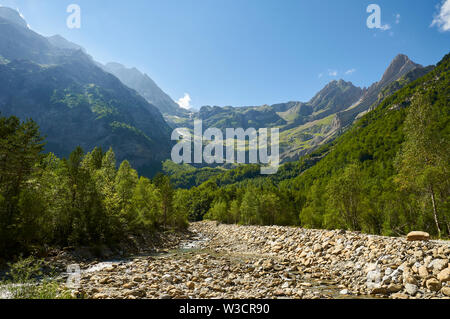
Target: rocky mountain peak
[(13, 16), (398, 67), (336, 92)]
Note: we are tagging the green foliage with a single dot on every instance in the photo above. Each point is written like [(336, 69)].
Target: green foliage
[(424, 161), (82, 200), (187, 176), (388, 174), (27, 281), (76, 103)]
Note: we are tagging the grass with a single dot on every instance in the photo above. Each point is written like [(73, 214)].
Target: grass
[(301, 137), (26, 280)]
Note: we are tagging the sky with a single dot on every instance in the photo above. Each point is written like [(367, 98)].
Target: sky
[(249, 52)]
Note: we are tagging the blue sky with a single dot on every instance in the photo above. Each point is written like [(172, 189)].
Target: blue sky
[(248, 52)]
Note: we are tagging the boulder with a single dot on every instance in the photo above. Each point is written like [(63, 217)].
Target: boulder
[(423, 272), (437, 265), (379, 291), (444, 275), (393, 288), (433, 284), (400, 296), (190, 285), (446, 291), (411, 289), (417, 236)]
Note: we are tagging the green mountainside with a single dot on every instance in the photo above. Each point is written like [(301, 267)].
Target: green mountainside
[(306, 126), (387, 174), (75, 102)]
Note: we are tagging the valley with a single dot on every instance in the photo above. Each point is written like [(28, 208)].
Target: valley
[(358, 208)]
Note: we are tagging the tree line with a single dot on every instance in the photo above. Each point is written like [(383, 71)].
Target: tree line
[(82, 200)]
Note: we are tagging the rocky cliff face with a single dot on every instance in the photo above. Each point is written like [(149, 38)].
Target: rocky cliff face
[(146, 87), (399, 67), (336, 95)]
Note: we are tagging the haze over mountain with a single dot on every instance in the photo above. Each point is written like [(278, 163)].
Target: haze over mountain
[(13, 16), (146, 87), (59, 42), (74, 101)]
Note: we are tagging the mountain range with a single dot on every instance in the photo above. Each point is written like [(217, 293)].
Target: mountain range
[(78, 101), (304, 126)]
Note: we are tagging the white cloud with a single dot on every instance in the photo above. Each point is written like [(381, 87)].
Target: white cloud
[(351, 71), (332, 72), (397, 18), (185, 101), (442, 20)]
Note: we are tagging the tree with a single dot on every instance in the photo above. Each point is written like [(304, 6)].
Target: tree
[(20, 148), (250, 208), (125, 183), (269, 208), (166, 192), (145, 206), (312, 213), (424, 161), (345, 195), (181, 202), (234, 211), (219, 212)]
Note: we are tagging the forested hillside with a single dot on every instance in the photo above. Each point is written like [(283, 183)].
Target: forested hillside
[(388, 174)]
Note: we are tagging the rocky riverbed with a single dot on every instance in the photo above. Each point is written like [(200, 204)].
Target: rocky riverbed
[(230, 261)]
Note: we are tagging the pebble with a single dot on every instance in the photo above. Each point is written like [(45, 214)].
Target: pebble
[(236, 262)]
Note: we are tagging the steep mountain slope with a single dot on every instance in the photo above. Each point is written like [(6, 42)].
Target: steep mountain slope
[(375, 139), (75, 102), (322, 130), (13, 16), (61, 43), (146, 87), (400, 66), (17, 41)]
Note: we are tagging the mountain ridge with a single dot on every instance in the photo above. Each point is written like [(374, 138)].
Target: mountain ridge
[(75, 102), (146, 87)]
